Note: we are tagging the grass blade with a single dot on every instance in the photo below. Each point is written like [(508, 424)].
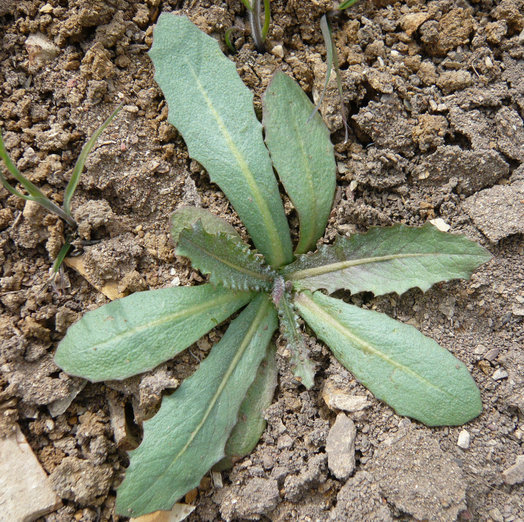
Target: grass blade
[(80, 162)]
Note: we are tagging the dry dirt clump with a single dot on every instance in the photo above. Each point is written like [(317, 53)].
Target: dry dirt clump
[(435, 96)]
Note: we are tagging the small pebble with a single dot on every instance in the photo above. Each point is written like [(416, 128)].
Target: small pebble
[(340, 447), (499, 374), (440, 224), (464, 439), (278, 50), (515, 474)]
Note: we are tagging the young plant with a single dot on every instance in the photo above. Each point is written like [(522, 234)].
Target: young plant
[(258, 31), (36, 195), (217, 413)]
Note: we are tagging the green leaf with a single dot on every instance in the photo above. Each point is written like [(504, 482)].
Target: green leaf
[(213, 110), (186, 217), (388, 260), (303, 156), (188, 434), (227, 259), (35, 194), (402, 367), (251, 423), (303, 369), (137, 333)]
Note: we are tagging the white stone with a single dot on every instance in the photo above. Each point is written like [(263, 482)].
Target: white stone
[(499, 373), (515, 474), (339, 399), (440, 224), (464, 439), (278, 50), (340, 447), (25, 491)]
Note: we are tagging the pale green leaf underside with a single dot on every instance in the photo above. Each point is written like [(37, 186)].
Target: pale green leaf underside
[(402, 367), (227, 259), (251, 422), (186, 217), (387, 260), (134, 334), (188, 434), (213, 110), (303, 368), (302, 154)]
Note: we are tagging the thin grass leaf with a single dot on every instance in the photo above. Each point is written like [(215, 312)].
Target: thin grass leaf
[(346, 4), (35, 194), (330, 53), (57, 263), (80, 162), (256, 26), (402, 367), (136, 333), (188, 434), (385, 260), (227, 39), (227, 259), (332, 61), (267, 18)]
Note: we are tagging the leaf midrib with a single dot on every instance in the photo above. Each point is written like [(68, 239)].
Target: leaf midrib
[(342, 265)]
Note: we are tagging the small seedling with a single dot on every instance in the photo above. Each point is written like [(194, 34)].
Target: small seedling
[(332, 61), (36, 195), (216, 415), (258, 31)]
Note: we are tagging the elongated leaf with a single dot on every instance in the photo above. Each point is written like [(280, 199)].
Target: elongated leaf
[(302, 154), (137, 333), (213, 110), (388, 260), (80, 162), (227, 259), (35, 194), (186, 217), (303, 370), (251, 423), (402, 367), (188, 435)]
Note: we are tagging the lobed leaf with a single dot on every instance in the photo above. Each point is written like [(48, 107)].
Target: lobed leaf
[(402, 367), (213, 110), (251, 422), (303, 369), (227, 259), (302, 154), (188, 434), (387, 260), (186, 217), (136, 333)]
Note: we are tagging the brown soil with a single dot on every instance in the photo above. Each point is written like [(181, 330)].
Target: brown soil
[(435, 92)]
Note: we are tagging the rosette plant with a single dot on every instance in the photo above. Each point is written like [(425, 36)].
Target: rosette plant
[(216, 415)]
